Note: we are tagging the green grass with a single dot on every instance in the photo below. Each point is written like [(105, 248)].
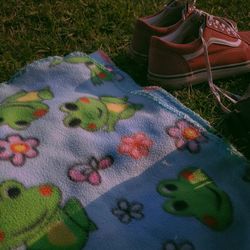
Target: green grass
[(30, 30)]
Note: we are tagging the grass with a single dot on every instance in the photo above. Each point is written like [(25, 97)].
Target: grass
[(32, 29)]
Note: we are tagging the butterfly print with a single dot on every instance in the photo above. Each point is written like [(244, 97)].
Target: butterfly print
[(90, 172)]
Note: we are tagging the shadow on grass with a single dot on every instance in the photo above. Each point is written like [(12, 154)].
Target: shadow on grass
[(138, 71)]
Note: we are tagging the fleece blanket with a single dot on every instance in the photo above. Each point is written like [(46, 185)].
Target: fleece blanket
[(90, 160)]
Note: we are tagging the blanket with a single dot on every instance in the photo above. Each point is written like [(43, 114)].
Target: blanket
[(91, 160)]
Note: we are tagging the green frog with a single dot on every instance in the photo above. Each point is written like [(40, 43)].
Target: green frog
[(98, 73), (195, 194), (21, 109), (93, 114), (33, 217)]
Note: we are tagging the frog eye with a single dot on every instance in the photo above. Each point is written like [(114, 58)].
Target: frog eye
[(169, 187), (75, 122), (71, 106), (180, 205), (11, 189), (21, 123), (13, 192)]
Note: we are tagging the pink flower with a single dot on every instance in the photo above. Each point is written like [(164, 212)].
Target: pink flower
[(186, 135), (16, 149), (135, 146)]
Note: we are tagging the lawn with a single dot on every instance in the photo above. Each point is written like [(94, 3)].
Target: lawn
[(31, 30)]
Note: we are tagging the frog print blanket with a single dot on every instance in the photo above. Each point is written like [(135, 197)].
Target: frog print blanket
[(91, 160)]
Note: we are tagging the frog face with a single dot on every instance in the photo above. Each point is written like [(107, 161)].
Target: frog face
[(101, 73), (16, 117), (194, 194), (20, 109), (24, 212), (89, 113)]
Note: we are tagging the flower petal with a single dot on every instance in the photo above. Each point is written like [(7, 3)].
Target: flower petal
[(193, 146), (182, 124), (135, 207), (140, 136), (5, 154), (18, 159), (124, 149), (125, 218), (123, 204), (3, 144), (136, 215), (174, 132), (135, 153), (33, 142), (14, 139), (118, 212), (127, 140), (202, 138), (180, 143), (31, 153)]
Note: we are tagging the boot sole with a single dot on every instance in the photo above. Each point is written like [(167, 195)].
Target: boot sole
[(179, 81)]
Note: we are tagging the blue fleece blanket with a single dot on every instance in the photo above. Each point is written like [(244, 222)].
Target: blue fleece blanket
[(91, 160)]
